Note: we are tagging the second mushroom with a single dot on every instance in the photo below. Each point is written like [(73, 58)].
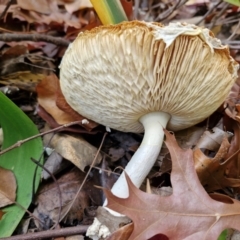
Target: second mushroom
[(143, 77)]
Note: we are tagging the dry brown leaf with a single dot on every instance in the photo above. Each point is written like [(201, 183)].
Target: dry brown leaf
[(76, 5), (47, 91), (1, 214), (41, 6), (75, 149), (48, 199), (21, 69), (23, 80), (8, 187), (189, 213), (74, 128), (55, 15), (212, 171)]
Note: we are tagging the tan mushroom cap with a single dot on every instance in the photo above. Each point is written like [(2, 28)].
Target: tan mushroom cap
[(116, 74)]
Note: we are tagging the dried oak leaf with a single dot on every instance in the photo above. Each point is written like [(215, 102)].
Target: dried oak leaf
[(189, 213), (212, 171), (8, 188)]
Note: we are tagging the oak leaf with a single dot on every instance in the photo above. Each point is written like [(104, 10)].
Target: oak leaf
[(189, 213)]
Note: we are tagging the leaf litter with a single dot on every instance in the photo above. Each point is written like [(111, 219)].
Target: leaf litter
[(66, 19)]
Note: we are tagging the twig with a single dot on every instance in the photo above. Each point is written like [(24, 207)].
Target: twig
[(85, 179), (167, 13), (10, 37), (6, 9), (104, 170), (50, 233), (234, 32), (19, 143), (231, 19), (214, 20), (27, 211), (209, 11)]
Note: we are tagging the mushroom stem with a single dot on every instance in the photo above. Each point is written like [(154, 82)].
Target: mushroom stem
[(146, 155)]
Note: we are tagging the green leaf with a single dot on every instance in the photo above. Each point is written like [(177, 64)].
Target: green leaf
[(17, 126), (223, 235), (109, 11), (233, 2)]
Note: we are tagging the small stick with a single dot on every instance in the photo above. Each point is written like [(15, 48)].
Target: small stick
[(11, 37), (50, 233), (19, 143)]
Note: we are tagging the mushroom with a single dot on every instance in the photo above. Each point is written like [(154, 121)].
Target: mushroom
[(143, 77)]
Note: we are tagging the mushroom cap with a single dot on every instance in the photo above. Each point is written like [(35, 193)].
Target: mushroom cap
[(116, 74)]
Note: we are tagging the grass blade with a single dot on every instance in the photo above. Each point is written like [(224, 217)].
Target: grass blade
[(109, 11)]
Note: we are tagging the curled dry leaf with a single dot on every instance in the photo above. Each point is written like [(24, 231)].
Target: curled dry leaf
[(75, 149), (189, 213), (212, 171), (47, 91), (7, 188)]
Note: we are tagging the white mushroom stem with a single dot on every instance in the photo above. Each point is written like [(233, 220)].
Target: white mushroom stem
[(146, 155)]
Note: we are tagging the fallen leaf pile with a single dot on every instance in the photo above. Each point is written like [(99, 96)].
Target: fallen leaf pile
[(183, 199)]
